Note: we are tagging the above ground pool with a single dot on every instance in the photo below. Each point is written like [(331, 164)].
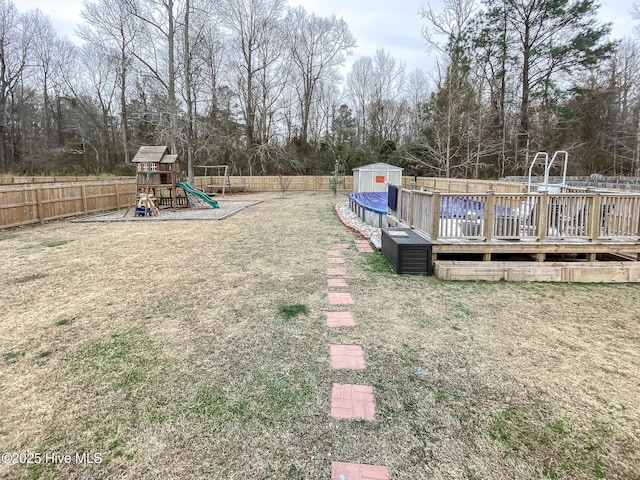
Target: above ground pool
[(371, 207), (375, 202)]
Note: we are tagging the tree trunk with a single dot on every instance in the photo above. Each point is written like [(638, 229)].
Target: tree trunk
[(250, 108), (3, 131), (124, 118), (635, 168), (523, 139), (45, 114), (172, 78), (188, 93)]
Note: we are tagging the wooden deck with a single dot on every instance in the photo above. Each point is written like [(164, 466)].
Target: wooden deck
[(528, 236)]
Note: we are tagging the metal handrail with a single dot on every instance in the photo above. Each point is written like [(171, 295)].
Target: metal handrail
[(564, 169), (533, 162)]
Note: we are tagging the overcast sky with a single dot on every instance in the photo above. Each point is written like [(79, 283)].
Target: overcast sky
[(393, 25)]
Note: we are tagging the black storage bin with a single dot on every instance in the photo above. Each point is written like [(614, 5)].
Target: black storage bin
[(406, 251)]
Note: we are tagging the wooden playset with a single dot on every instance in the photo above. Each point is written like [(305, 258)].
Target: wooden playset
[(157, 172), (157, 183)]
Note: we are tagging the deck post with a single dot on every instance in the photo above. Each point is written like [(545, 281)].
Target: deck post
[(435, 215), (542, 222), (489, 215), (595, 217), (411, 200), (399, 204)]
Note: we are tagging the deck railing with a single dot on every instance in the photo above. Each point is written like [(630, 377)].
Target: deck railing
[(507, 216)]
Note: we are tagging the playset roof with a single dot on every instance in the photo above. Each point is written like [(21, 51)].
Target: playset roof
[(155, 154)]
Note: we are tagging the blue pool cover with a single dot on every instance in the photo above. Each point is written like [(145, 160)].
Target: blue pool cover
[(457, 207), (373, 201)]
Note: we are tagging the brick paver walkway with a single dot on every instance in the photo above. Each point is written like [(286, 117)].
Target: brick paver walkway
[(363, 246), (352, 402), (347, 357), (339, 271), (336, 282), (358, 471), (335, 260), (349, 401), (340, 298), (340, 319)]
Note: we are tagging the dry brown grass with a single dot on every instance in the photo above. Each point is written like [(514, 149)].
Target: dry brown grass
[(160, 346)]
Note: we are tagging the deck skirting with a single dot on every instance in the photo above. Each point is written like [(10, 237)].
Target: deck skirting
[(574, 272)]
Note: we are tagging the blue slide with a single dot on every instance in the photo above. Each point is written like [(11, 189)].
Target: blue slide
[(192, 192)]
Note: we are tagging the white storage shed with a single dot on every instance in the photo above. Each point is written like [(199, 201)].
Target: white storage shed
[(375, 177)]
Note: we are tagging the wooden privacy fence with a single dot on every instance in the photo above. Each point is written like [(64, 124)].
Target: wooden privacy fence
[(323, 183), (20, 180), (536, 216), (41, 203), (28, 200), (457, 185), (583, 182), (275, 183)]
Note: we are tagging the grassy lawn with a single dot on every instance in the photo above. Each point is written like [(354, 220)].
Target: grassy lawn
[(199, 350)]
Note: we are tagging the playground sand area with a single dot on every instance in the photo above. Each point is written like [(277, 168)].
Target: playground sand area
[(161, 347), (227, 208)]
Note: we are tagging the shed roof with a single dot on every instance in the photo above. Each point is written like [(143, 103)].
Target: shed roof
[(379, 166), (154, 154)]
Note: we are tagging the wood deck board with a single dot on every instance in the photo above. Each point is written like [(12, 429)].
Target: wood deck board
[(629, 246), (575, 272), (619, 248)]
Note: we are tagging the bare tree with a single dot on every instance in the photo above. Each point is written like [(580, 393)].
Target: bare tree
[(417, 94), (359, 83), (187, 50), (376, 86), (448, 24), (94, 88), (16, 38), (156, 50), (109, 23), (212, 53), (449, 109), (251, 23), (51, 57), (386, 105), (318, 46)]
